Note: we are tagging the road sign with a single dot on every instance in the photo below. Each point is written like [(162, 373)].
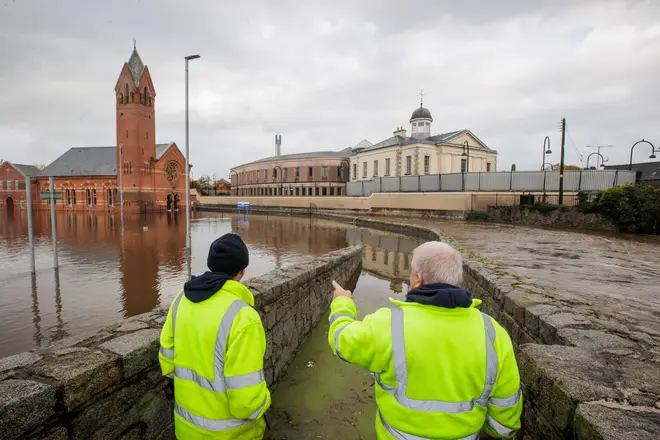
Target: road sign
[(45, 195)]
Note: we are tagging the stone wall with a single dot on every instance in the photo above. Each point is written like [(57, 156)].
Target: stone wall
[(584, 376), (108, 386), (556, 218)]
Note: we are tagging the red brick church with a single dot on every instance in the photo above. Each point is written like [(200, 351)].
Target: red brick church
[(88, 178)]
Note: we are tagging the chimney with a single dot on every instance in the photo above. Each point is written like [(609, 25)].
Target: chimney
[(400, 132), (278, 145)]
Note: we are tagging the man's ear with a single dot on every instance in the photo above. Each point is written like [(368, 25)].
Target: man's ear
[(419, 282)]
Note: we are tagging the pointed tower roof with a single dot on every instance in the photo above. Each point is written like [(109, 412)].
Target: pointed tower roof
[(135, 66)]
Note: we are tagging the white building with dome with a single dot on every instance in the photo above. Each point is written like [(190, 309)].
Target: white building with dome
[(421, 153)]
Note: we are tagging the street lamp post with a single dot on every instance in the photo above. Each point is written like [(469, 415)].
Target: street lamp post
[(466, 145), (548, 151), (601, 158), (653, 151), (188, 58), (548, 164)]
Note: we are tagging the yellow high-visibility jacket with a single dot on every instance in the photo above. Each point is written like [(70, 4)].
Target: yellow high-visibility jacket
[(215, 350), (441, 373)]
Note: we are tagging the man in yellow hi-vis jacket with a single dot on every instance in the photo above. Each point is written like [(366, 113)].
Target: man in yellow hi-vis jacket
[(443, 368), (213, 342)]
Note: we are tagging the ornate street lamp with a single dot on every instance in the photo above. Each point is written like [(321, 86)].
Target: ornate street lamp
[(653, 151), (548, 151), (601, 158)]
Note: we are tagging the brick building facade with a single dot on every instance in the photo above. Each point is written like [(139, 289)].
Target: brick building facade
[(152, 175), (321, 173), (13, 181)]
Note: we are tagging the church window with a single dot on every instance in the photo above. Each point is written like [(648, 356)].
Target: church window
[(132, 98), (89, 197), (68, 197), (126, 93), (94, 197), (73, 196), (109, 197)]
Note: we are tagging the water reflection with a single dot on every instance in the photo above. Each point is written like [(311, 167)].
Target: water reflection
[(102, 277)]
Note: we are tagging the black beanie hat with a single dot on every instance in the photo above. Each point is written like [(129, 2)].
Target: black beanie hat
[(228, 254)]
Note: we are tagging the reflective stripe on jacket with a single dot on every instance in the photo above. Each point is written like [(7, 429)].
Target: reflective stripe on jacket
[(215, 350), (440, 372)]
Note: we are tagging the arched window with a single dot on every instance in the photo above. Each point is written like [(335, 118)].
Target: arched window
[(115, 196), (126, 93), (132, 97), (109, 197), (68, 197), (94, 197), (121, 98), (89, 197), (73, 196), (146, 95)]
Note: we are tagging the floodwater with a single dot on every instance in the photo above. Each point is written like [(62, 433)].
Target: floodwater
[(103, 278)]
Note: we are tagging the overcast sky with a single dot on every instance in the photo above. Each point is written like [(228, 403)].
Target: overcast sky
[(327, 74)]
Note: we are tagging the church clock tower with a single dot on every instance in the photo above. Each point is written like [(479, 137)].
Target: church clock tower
[(136, 129)]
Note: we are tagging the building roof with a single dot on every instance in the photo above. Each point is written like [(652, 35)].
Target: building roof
[(84, 161), (27, 170), (342, 153), (421, 113), (432, 140), (649, 170), (162, 149), (136, 67)]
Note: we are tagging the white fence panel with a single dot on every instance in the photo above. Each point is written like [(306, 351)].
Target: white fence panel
[(390, 184), (409, 184), (499, 181), (429, 183), (451, 182)]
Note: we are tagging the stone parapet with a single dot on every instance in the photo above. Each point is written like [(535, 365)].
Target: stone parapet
[(107, 385)]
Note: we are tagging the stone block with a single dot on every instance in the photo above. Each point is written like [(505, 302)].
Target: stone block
[(518, 300), (610, 421), (131, 326), (592, 339), (557, 378), (533, 315), (24, 405), (16, 361), (110, 414), (81, 373), (550, 324), (139, 350)]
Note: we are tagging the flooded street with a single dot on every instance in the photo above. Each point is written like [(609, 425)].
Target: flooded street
[(102, 279)]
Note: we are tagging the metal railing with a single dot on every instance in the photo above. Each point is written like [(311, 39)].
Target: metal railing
[(541, 181)]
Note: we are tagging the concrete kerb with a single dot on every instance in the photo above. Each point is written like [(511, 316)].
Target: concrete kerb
[(577, 343)]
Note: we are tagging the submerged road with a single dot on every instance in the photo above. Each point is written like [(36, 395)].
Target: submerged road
[(615, 275)]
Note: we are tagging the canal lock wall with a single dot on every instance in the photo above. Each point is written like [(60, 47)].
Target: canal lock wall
[(108, 386)]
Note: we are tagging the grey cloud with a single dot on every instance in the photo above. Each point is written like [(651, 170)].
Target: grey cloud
[(328, 74)]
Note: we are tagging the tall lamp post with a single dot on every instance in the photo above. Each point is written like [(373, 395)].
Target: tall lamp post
[(188, 58), (601, 158), (548, 151), (466, 146), (548, 164), (653, 151)]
